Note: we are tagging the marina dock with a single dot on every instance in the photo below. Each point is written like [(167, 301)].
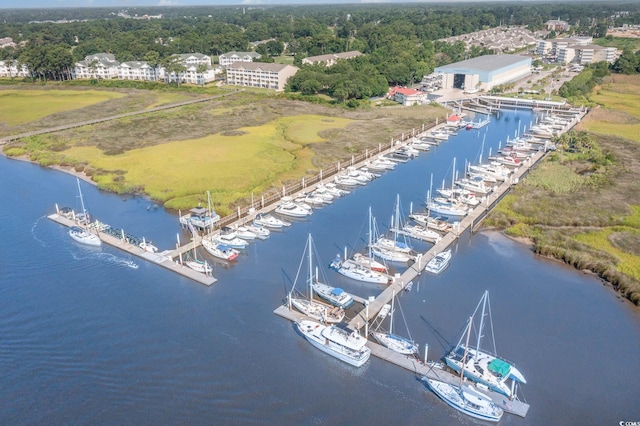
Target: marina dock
[(164, 259)]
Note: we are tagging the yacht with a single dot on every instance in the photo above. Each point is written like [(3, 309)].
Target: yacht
[(338, 341)]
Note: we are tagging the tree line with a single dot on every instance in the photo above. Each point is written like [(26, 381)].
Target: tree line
[(400, 41)]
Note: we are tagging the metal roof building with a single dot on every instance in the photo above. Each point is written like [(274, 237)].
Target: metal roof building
[(484, 72)]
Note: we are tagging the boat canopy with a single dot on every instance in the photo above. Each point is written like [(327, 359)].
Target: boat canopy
[(337, 291), (500, 367), (198, 211)]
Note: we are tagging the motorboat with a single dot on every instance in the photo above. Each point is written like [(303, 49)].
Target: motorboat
[(261, 232), (229, 239), (339, 341), (419, 232), (351, 269), (220, 251), (292, 209), (439, 262), (333, 295), (269, 221)]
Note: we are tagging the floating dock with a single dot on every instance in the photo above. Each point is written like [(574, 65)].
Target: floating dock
[(164, 259)]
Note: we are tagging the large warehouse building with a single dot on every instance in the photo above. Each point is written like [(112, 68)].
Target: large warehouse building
[(484, 72)]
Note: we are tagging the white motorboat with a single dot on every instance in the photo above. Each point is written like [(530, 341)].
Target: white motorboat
[(147, 246), (201, 217), (334, 295), (344, 180), (390, 255), (261, 232), (439, 262), (292, 209), (336, 340), (229, 239), (438, 135), (314, 200), (430, 222), (446, 208), (244, 233), (220, 251), (479, 365), (322, 192), (477, 186), (269, 221), (333, 189), (486, 178), (497, 171)]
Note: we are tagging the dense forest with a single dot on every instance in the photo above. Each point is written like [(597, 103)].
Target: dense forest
[(400, 41)]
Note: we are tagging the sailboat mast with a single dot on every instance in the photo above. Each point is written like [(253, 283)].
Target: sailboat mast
[(466, 349), (484, 305), (370, 233), (391, 319), (84, 211), (453, 174), (310, 270)]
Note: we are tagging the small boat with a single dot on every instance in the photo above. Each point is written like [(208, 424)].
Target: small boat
[(147, 246), (419, 232), (396, 343), (292, 209), (229, 239), (200, 217), (390, 255), (338, 341), (269, 221), (244, 233), (220, 251), (464, 398), (84, 237), (439, 262), (308, 305), (199, 266), (431, 222), (369, 262), (351, 269), (343, 180), (334, 295), (260, 232), (333, 189), (80, 234), (446, 207)]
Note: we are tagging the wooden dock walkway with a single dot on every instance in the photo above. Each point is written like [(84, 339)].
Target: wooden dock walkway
[(417, 367), (162, 259)]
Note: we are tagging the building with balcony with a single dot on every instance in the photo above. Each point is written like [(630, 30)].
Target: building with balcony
[(232, 57), (259, 74)]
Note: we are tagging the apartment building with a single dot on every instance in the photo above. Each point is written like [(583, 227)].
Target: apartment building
[(260, 74)]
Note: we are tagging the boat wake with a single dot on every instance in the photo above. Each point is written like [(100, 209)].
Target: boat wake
[(33, 231), (120, 261)]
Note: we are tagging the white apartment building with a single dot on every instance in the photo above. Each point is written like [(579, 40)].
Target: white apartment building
[(137, 70), (232, 57), (13, 69), (195, 59), (98, 65), (260, 74)]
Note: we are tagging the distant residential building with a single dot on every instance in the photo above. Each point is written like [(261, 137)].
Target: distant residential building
[(331, 58), (232, 57), (576, 50), (98, 65), (195, 59), (137, 70), (11, 68), (408, 97), (260, 74), (557, 25)]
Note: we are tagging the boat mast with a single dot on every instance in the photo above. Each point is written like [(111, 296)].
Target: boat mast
[(391, 319), (466, 348), (310, 270), (370, 233), (485, 296), (84, 211)]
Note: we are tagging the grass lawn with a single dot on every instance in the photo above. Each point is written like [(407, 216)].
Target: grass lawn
[(622, 43), (230, 166), (23, 106)]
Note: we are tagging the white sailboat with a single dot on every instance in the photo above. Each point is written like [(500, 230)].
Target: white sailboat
[(391, 249), (80, 233), (307, 305), (481, 366), (197, 265), (333, 295), (464, 398), (361, 267), (392, 341)]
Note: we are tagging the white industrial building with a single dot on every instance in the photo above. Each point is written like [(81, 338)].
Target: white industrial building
[(484, 72)]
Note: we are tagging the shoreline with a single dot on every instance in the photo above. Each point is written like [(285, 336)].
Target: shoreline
[(529, 242)]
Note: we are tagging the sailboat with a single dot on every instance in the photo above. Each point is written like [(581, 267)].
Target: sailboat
[(391, 249), (307, 305), (481, 366), (463, 397), (447, 206), (79, 233), (361, 267), (394, 342), (197, 265)]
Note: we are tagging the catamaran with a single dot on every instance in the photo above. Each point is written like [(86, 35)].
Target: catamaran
[(481, 366)]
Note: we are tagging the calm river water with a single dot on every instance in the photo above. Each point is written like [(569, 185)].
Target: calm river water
[(86, 338)]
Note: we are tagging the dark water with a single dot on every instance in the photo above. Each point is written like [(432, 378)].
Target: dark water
[(86, 338)]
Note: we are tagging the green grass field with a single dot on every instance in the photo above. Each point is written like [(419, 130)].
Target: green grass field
[(179, 173), (23, 106)]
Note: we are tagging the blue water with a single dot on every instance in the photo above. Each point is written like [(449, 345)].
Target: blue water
[(85, 337)]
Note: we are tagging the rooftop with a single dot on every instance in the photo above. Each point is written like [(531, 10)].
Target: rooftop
[(485, 63)]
